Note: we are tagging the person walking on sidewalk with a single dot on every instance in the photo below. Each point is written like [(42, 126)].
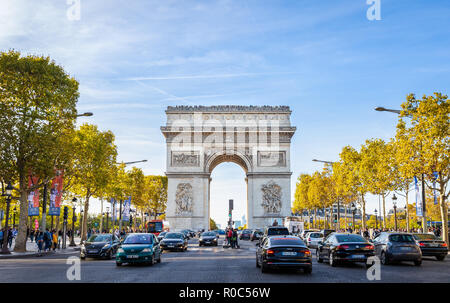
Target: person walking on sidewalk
[(1, 237), (39, 241), (55, 240), (10, 237), (47, 240)]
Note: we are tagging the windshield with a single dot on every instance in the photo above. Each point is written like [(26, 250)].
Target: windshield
[(173, 236), (208, 234), (401, 238), (278, 231), (425, 237), (315, 235), (162, 234), (138, 239), (350, 238), (154, 227), (99, 238), (247, 231)]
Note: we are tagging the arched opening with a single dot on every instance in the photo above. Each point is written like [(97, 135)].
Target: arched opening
[(228, 182)]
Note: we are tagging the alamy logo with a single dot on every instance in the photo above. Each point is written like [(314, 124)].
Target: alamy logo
[(74, 11), (74, 271), (374, 272), (374, 11)]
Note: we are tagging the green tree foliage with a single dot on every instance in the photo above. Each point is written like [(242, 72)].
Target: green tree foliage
[(212, 224), (37, 115)]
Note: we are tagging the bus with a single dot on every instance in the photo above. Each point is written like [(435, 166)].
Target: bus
[(155, 226)]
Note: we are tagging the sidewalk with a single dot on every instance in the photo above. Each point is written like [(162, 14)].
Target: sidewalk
[(32, 250)]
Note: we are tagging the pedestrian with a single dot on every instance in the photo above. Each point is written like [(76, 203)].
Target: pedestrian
[(39, 241), (32, 235), (47, 237), (1, 237), (10, 237), (55, 240), (229, 236)]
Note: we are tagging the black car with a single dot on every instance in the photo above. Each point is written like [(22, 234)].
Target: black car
[(256, 235), (245, 234), (208, 238), (161, 235), (174, 241), (100, 246), (430, 245), (392, 247), (186, 233), (283, 252), (326, 232), (344, 247)]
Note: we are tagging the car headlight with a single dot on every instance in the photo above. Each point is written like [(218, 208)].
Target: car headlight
[(146, 250), (120, 251), (106, 246)]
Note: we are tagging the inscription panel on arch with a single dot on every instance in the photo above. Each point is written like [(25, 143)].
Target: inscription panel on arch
[(272, 159), (185, 159)]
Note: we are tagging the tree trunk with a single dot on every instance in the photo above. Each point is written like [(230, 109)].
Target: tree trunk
[(85, 217), (407, 213), (384, 211), (363, 219), (444, 217), (21, 239), (101, 215), (315, 217)]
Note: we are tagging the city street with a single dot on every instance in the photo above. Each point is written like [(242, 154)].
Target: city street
[(212, 265)]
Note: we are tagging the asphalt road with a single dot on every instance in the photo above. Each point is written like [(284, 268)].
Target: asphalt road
[(211, 264)]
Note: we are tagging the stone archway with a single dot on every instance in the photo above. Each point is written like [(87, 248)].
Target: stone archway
[(199, 138)]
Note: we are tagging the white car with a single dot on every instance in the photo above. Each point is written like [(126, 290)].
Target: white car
[(312, 239)]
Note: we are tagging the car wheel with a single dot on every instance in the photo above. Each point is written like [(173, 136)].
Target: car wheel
[(82, 258), (185, 249), (440, 258), (118, 264), (152, 261), (159, 259), (332, 261), (257, 263), (307, 270), (319, 259), (384, 259), (110, 255), (418, 262), (199, 244), (264, 268)]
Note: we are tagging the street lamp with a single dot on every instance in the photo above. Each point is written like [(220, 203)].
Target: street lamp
[(107, 219), (72, 236), (394, 201), (382, 109), (376, 218), (86, 114), (8, 194), (14, 217), (353, 209)]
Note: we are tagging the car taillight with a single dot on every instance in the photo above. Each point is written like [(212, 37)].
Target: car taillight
[(270, 252), (370, 247), (422, 244), (307, 252), (342, 247), (444, 245)]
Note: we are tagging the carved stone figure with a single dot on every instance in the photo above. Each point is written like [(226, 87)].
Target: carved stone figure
[(184, 199), (183, 159), (271, 198)]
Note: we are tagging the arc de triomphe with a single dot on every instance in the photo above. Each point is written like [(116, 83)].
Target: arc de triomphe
[(199, 138)]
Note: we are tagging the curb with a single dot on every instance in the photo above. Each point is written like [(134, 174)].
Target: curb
[(36, 254)]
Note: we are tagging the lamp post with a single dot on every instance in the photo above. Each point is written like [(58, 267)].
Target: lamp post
[(107, 219), (8, 194), (376, 218), (353, 209), (14, 217), (424, 204), (394, 201), (74, 217)]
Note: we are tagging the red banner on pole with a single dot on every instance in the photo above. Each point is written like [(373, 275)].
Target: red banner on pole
[(56, 193)]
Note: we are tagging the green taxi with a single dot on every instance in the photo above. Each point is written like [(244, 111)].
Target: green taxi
[(139, 248)]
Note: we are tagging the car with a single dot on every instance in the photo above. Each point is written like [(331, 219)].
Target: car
[(174, 241), (270, 231), (430, 245), (344, 247), (161, 235), (304, 232), (256, 234), (221, 232), (326, 232), (246, 234), (186, 233), (283, 251), (208, 238), (139, 248), (396, 247), (100, 246), (313, 238)]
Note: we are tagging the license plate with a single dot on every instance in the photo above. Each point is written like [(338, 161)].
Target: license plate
[(405, 248), (132, 256), (358, 256), (170, 245), (92, 251), (289, 253), (434, 245)]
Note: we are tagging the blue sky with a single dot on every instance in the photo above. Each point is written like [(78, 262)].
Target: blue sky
[(324, 59)]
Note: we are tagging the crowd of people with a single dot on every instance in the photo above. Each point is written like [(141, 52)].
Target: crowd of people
[(231, 236)]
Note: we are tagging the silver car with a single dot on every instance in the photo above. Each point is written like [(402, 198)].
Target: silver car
[(312, 239)]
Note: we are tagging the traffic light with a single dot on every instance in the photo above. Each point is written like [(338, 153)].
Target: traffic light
[(66, 213)]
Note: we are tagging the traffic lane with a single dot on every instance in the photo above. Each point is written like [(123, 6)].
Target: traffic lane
[(211, 264)]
